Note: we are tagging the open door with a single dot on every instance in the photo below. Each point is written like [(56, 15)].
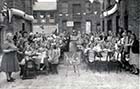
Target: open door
[(88, 27)]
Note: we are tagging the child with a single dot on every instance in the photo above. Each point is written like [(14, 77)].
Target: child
[(54, 54), (90, 53), (27, 53)]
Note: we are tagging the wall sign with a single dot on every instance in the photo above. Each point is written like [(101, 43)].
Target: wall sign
[(70, 23)]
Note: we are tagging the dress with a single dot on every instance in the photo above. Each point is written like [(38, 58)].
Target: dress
[(91, 55), (9, 61), (54, 56), (134, 54), (72, 46), (134, 59)]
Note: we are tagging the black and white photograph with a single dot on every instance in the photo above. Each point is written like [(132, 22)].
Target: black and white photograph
[(69, 44)]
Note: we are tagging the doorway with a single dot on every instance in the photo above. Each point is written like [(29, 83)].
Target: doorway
[(77, 26), (88, 27), (23, 26), (109, 25)]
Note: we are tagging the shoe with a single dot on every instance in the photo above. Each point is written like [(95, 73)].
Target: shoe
[(136, 72), (13, 79), (10, 80)]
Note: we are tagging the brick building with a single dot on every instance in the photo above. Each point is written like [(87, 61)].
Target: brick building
[(18, 21), (120, 14), (80, 15), (18, 18), (45, 17), (133, 7)]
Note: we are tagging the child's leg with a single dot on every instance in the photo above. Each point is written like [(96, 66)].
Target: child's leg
[(21, 70), (37, 62), (54, 68), (46, 63), (50, 67)]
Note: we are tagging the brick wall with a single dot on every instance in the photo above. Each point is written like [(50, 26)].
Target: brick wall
[(134, 16)]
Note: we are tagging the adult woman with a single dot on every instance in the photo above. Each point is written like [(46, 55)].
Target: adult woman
[(73, 40), (9, 61), (134, 54)]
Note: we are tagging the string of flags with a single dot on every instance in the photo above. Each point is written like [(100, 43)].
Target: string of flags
[(112, 10)]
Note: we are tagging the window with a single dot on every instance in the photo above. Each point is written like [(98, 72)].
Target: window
[(42, 15), (64, 7), (76, 8), (52, 15), (98, 27), (35, 15), (64, 23), (77, 26), (109, 25), (88, 7)]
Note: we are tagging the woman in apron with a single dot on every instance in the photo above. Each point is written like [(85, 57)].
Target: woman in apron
[(9, 60), (73, 41)]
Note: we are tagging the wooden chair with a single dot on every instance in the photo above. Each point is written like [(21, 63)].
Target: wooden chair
[(72, 59), (30, 70)]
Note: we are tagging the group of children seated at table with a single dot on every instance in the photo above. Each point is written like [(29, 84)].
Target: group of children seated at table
[(48, 50), (45, 54)]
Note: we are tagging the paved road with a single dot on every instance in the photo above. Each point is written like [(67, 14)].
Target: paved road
[(87, 80)]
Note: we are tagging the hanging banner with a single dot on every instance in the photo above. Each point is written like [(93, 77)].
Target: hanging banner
[(111, 11), (29, 17), (21, 14), (9, 15), (17, 12)]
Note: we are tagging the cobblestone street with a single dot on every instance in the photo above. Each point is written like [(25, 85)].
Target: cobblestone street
[(86, 80)]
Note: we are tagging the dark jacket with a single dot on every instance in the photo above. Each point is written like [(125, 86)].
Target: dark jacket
[(135, 46)]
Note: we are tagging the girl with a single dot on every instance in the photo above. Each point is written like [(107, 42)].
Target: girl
[(54, 54)]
